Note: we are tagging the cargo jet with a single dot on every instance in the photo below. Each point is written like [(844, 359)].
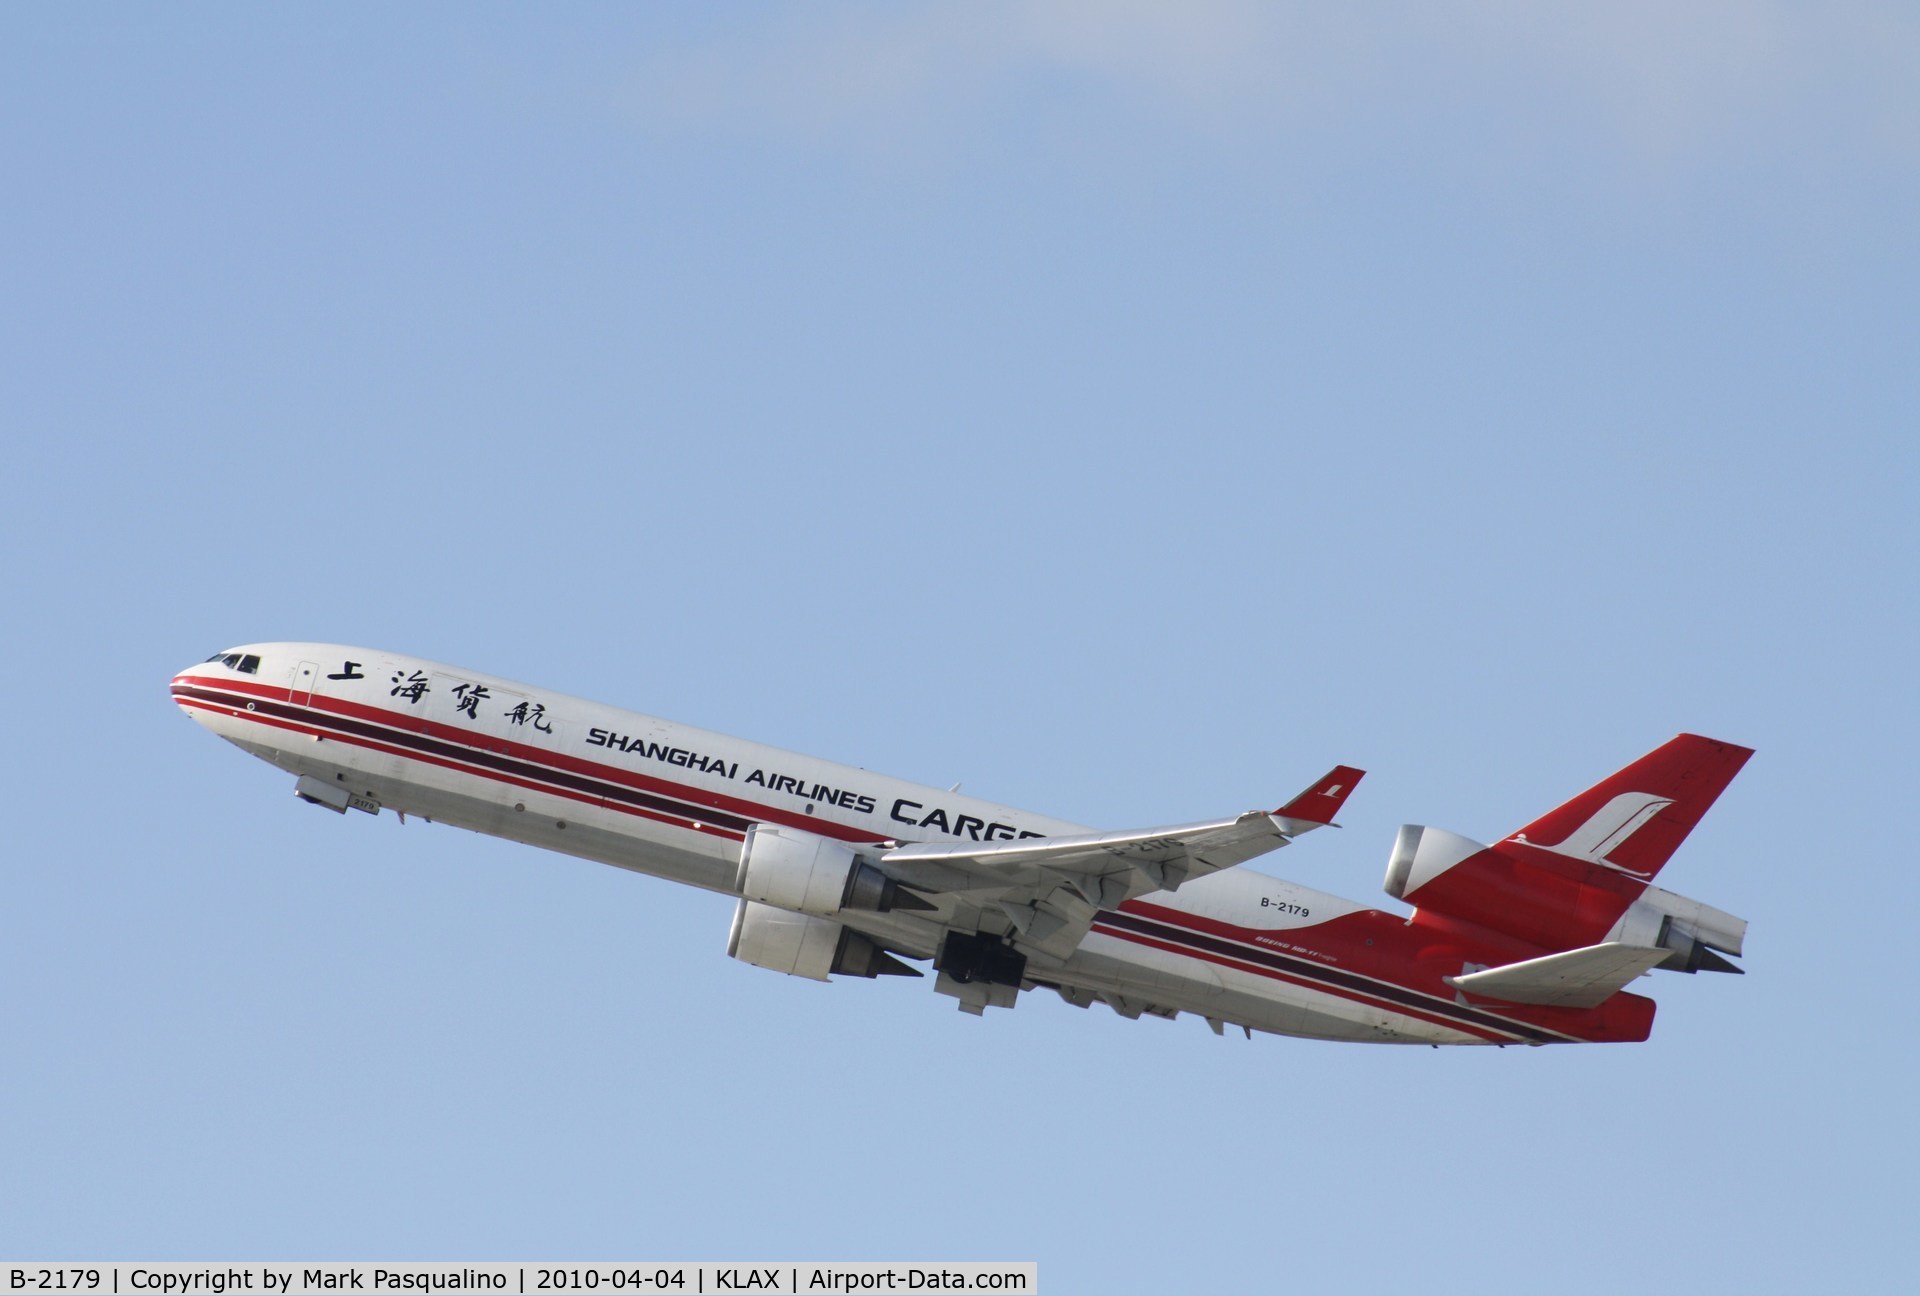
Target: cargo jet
[(838, 872)]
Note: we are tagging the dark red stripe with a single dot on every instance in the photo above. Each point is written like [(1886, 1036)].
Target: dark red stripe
[(681, 820), (614, 783), (1186, 952), (1348, 984)]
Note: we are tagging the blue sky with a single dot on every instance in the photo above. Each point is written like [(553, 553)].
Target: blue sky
[(1129, 412)]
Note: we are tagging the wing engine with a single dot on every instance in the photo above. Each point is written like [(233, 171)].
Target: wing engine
[(802, 945), (810, 874)]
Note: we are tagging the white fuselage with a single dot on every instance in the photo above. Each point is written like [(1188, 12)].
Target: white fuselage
[(511, 760)]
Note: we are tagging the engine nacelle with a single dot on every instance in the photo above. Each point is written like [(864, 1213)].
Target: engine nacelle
[(1692, 930), (1423, 854), (810, 874), (802, 945)]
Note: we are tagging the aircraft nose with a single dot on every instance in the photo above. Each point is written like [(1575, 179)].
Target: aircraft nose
[(185, 686)]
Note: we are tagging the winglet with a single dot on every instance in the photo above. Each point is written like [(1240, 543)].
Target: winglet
[(1317, 806)]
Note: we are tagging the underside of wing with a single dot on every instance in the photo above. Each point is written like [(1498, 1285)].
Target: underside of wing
[(1050, 888)]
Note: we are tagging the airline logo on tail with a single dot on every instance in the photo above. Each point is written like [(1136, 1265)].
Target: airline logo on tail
[(1606, 831)]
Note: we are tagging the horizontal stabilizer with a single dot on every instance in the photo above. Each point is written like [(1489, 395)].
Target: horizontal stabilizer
[(1582, 978)]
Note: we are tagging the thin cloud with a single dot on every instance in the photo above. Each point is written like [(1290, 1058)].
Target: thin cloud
[(1658, 81)]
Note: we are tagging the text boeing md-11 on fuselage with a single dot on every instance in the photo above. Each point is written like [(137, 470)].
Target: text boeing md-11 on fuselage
[(836, 871)]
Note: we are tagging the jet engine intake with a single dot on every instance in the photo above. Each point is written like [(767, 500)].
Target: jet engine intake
[(1423, 854), (811, 874)]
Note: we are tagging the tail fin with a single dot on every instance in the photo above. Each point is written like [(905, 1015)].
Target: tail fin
[(1564, 880)]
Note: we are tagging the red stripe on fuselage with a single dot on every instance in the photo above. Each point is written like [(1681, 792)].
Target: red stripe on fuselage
[(1409, 955), (322, 703), (1394, 956), (1315, 986), (407, 753)]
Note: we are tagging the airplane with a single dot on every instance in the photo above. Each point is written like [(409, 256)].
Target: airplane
[(836, 871)]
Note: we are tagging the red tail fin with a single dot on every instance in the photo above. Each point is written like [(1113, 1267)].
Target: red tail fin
[(1564, 880), (1635, 820)]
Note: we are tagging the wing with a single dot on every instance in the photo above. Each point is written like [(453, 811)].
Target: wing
[(1050, 888)]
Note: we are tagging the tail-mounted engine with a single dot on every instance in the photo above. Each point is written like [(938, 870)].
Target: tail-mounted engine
[(1422, 854), (1696, 933)]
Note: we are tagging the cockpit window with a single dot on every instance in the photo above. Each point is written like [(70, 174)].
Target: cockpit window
[(245, 663)]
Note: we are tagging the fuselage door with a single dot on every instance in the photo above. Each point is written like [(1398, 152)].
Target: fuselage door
[(305, 675)]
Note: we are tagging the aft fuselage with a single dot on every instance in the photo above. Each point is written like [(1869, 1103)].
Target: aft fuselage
[(646, 794)]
